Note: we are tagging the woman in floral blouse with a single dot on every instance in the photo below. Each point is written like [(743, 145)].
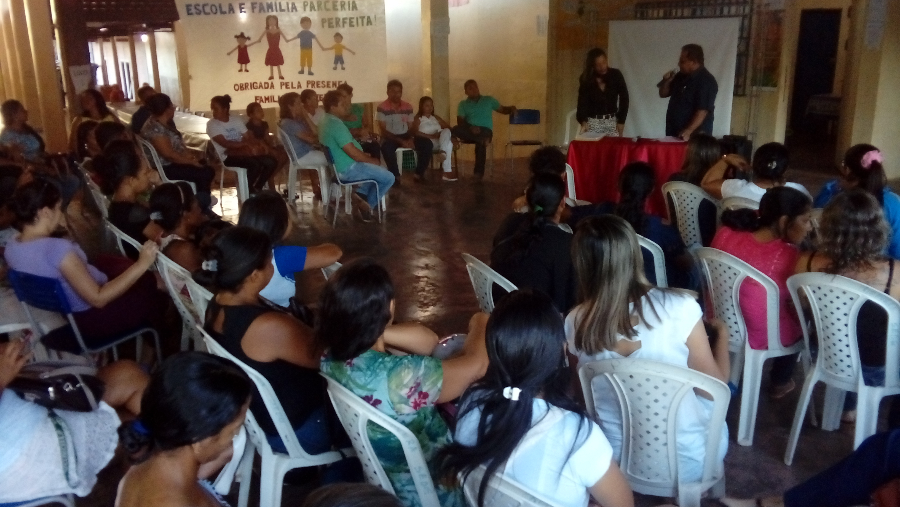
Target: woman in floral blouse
[(357, 309)]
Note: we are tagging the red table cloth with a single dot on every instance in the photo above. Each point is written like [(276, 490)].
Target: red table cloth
[(597, 165)]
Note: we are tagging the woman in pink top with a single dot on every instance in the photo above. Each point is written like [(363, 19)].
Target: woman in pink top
[(767, 240)]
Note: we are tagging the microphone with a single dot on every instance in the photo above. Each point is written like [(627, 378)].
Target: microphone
[(663, 80)]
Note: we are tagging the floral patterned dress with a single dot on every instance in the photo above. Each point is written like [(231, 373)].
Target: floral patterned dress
[(405, 388)]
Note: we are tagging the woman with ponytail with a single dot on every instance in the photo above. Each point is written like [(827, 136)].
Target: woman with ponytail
[(532, 250), (191, 410), (519, 421), (355, 325), (175, 210), (863, 167), (237, 265), (768, 240)]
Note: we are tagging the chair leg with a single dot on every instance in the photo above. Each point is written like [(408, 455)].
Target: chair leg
[(753, 364), (222, 189), (866, 415), (243, 187), (737, 367), (245, 474), (799, 415), (689, 495), (324, 186), (186, 332), (292, 184), (271, 479), (834, 405)]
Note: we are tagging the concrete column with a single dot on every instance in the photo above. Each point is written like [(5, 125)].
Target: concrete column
[(184, 75), (440, 57), (154, 61), (103, 72), (25, 59), (118, 66), (11, 69), (135, 84), (49, 92), (71, 34)]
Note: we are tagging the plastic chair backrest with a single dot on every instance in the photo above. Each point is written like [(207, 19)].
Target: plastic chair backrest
[(739, 203), (100, 199), (525, 117), (650, 394), (686, 199), (356, 415), (659, 260), (39, 291), (327, 271), (176, 279), (501, 491), (153, 157), (276, 411), (285, 140), (570, 182), (121, 238), (724, 274), (483, 278), (835, 302), (569, 119)]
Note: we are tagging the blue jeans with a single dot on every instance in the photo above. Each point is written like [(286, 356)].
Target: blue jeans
[(359, 171), (315, 437)]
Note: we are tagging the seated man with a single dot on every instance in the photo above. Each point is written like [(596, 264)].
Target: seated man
[(394, 117), (360, 124), (474, 123), (350, 162)]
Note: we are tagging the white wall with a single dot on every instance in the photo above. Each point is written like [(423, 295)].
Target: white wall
[(403, 19), (168, 66)]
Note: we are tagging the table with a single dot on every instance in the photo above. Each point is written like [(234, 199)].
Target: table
[(597, 165), (191, 126)]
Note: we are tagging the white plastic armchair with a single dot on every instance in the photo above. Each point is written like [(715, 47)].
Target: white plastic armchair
[(189, 297), (650, 395), (327, 271), (296, 167), (570, 183), (659, 260), (724, 274), (356, 416), (834, 302), (274, 464), (501, 491), (483, 278), (120, 238), (243, 185), (686, 199), (570, 119), (155, 162)]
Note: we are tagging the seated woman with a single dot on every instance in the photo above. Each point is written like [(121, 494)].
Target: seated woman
[(28, 437), (267, 212), (125, 175), (636, 182), (86, 141), (93, 108), (193, 407), (863, 167), (237, 147), (179, 162), (114, 297), (852, 239), (703, 151), (281, 348), (356, 312), (519, 420), (107, 132), (622, 315), (174, 209), (532, 250), (434, 128), (770, 161), (301, 130), (768, 240), (259, 128)]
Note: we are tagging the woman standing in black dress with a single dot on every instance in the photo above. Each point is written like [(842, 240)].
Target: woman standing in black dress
[(602, 94)]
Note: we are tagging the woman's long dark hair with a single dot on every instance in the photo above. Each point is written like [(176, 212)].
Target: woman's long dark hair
[(870, 178), (266, 212), (100, 101), (777, 202), (119, 160), (544, 194), (31, 198), (588, 73), (703, 151), (171, 200), (236, 253), (636, 183), (525, 344)]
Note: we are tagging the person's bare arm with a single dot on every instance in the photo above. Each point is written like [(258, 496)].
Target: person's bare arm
[(12, 358), (713, 179), (321, 256), (225, 143), (509, 110), (153, 231), (164, 149), (358, 155), (696, 121), (461, 371), (75, 271), (442, 122), (411, 337), (701, 358), (613, 490), (185, 254), (307, 137), (666, 85), (276, 335), (387, 134)]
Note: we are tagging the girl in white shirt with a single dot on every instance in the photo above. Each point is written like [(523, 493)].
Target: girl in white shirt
[(518, 420), (770, 161), (622, 315), (431, 126)]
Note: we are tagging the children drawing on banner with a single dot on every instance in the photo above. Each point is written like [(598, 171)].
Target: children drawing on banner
[(243, 58), (273, 35), (338, 48), (306, 53)]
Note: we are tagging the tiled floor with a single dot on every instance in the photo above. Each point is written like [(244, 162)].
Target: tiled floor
[(428, 226)]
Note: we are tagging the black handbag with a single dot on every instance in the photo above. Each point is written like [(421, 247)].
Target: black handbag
[(59, 385)]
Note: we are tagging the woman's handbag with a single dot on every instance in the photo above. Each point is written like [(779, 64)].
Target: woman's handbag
[(59, 385), (605, 125)]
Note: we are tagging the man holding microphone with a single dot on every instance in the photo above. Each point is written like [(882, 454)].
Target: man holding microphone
[(692, 93)]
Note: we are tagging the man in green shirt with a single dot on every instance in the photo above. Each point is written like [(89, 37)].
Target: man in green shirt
[(350, 161), (475, 124), (359, 124)]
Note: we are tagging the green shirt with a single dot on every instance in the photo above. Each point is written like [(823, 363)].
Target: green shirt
[(335, 135), (478, 113), (357, 110)]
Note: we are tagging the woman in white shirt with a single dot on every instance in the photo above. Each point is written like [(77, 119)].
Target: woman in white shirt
[(769, 165), (622, 315), (431, 126), (518, 420), (238, 147)]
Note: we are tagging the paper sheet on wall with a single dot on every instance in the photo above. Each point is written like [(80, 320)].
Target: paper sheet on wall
[(875, 21), (260, 50), (82, 76)]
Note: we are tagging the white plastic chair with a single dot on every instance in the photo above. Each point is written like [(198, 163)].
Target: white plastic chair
[(399, 153), (66, 500), (243, 187), (295, 168), (650, 394), (686, 199), (327, 271), (501, 491), (345, 190), (483, 278), (739, 203), (724, 274), (120, 238), (570, 118), (835, 302), (184, 290), (356, 415), (659, 260), (274, 464), (101, 201), (153, 159), (570, 183)]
